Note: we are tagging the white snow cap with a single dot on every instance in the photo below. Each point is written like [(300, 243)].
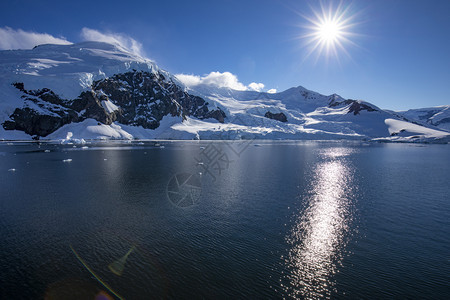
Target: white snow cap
[(67, 69)]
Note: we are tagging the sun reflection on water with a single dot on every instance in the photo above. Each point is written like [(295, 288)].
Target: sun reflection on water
[(318, 237)]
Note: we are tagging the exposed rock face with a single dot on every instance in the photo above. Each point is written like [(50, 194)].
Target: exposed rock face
[(145, 98), (32, 122), (43, 112), (355, 106), (276, 116), (134, 98)]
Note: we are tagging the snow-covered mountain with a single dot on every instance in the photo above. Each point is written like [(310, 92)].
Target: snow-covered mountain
[(437, 116), (95, 90)]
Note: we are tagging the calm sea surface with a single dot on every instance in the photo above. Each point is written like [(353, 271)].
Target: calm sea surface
[(224, 220)]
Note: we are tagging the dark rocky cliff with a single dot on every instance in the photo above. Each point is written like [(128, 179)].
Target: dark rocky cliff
[(138, 98)]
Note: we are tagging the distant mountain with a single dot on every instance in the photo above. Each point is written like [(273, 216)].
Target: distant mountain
[(437, 116), (97, 90)]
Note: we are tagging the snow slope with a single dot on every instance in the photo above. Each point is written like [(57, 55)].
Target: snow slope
[(68, 70), (402, 131), (90, 129), (437, 116)]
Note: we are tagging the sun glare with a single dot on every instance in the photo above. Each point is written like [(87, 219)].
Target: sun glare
[(329, 31)]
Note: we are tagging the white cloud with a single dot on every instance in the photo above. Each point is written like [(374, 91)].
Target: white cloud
[(19, 39), (272, 91), (88, 34), (225, 79), (218, 79), (258, 87), (189, 80)]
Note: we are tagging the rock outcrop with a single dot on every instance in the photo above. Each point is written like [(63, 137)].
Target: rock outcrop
[(134, 98), (355, 106), (276, 116)]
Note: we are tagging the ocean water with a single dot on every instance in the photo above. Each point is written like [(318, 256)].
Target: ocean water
[(224, 220)]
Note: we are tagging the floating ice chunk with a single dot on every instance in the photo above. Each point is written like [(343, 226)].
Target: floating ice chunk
[(12, 170), (70, 141), (67, 160)]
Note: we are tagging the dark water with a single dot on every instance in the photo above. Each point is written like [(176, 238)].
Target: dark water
[(266, 220)]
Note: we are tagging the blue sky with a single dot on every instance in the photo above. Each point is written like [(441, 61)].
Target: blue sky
[(400, 58)]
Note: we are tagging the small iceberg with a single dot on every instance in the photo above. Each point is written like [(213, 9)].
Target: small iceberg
[(69, 140)]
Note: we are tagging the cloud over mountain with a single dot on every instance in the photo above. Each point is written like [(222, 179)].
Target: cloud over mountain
[(120, 39), (19, 39), (218, 79)]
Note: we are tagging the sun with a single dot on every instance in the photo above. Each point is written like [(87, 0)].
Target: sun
[(329, 31)]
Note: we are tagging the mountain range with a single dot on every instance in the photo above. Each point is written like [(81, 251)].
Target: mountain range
[(95, 90)]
